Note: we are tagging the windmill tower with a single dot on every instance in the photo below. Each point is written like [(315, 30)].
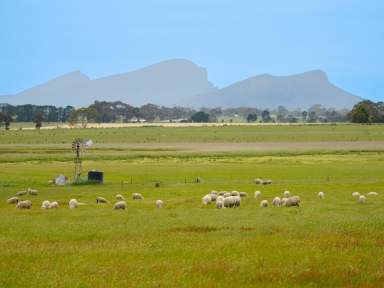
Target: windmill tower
[(78, 148)]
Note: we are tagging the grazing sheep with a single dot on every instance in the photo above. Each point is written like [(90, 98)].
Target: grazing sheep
[(213, 196), (237, 200), (286, 193), (214, 192), (137, 196), (258, 181), (276, 202), (13, 200), (235, 193), (120, 197), (321, 195), (362, 199), (120, 205), (220, 202), (355, 194), (257, 194), (267, 182), (229, 202), (26, 204), (206, 199), (243, 194), (372, 194), (284, 201), (227, 194), (159, 203), (293, 201), (72, 204), (32, 192), (21, 193), (221, 193), (264, 203), (54, 205), (46, 204), (101, 200)]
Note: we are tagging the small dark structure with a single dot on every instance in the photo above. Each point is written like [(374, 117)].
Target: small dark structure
[(96, 176)]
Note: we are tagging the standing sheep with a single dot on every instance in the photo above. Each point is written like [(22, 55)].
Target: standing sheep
[(284, 201), (257, 194), (26, 204), (227, 194), (264, 203), (206, 199), (120, 205), (220, 202), (276, 202), (286, 193), (243, 194), (120, 197), (321, 195), (362, 199), (32, 192), (293, 201), (137, 196), (229, 202), (13, 200), (159, 203), (213, 196)]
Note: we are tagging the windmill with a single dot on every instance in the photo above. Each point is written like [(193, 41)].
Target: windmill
[(78, 147)]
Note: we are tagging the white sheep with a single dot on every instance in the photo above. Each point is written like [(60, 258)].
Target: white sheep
[(137, 196), (32, 192), (53, 205), (120, 197), (257, 194), (286, 193), (276, 202), (267, 182), (229, 202), (213, 196), (13, 200), (235, 193), (221, 193), (120, 205), (321, 195), (293, 201), (101, 200), (159, 203), (46, 204), (73, 204), (258, 181), (237, 200), (284, 201), (243, 194), (220, 202), (21, 193), (355, 194), (264, 203), (26, 204), (362, 199), (372, 194), (227, 194), (206, 199)]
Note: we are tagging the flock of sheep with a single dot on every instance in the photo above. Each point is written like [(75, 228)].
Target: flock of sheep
[(222, 199), (121, 204)]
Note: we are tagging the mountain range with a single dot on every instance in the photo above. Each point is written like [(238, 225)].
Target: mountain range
[(180, 82)]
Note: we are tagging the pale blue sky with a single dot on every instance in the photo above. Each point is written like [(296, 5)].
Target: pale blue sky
[(41, 39)]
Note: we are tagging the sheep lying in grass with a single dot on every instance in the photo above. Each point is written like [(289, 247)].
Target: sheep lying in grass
[(159, 203), (243, 194), (137, 196), (267, 182), (120, 197), (257, 194), (13, 200), (293, 201), (276, 202), (287, 193), (321, 195), (264, 203), (53, 205), (206, 199), (26, 204), (355, 194), (32, 192), (120, 205), (72, 204), (21, 193), (101, 200), (372, 194), (362, 199), (220, 202), (258, 181), (46, 204)]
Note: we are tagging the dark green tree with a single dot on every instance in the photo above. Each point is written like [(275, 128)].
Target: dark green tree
[(200, 117)]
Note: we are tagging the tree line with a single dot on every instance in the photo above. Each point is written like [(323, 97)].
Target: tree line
[(112, 112)]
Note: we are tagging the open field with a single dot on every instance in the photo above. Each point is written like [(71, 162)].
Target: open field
[(334, 242)]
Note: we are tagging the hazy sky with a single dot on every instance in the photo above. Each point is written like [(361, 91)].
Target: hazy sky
[(41, 39)]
